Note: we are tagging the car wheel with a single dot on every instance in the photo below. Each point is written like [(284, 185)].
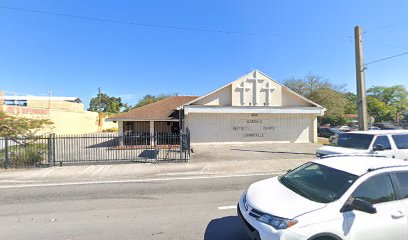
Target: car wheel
[(324, 238)]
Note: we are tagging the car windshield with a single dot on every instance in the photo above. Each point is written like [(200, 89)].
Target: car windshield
[(317, 182), (356, 141)]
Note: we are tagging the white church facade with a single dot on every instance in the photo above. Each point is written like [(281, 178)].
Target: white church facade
[(253, 108)]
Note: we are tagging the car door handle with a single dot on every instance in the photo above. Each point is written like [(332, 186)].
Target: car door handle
[(397, 215)]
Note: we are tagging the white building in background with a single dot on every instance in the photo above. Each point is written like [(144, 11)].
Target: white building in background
[(253, 108)]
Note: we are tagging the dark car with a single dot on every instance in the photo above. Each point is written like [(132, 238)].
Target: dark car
[(328, 132), (385, 126)]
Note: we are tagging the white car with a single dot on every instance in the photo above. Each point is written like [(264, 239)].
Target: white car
[(350, 198), (388, 143)]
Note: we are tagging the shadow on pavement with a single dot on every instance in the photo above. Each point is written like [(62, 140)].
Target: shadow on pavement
[(226, 228)]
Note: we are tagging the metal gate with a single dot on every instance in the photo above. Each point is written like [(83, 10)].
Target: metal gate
[(101, 148)]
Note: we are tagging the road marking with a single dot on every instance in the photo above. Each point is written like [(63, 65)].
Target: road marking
[(227, 207), (136, 180)]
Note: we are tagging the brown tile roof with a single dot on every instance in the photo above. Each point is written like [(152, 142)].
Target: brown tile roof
[(161, 110)]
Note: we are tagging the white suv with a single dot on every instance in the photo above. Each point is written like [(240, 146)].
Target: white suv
[(363, 198), (387, 143)]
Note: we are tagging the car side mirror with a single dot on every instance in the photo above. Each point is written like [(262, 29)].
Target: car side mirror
[(378, 147), (359, 205)]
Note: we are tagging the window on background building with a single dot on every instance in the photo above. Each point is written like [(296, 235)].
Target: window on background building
[(20, 103), (9, 102)]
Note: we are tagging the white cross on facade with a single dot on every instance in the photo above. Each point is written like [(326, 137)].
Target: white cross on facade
[(243, 88), (268, 90), (256, 81)]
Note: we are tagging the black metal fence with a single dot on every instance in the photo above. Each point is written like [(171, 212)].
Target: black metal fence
[(103, 148)]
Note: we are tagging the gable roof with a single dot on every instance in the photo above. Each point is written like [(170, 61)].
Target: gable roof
[(161, 110), (257, 71)]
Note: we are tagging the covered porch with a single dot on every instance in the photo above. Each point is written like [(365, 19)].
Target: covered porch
[(142, 132)]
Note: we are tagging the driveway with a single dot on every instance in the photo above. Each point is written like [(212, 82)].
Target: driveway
[(254, 151)]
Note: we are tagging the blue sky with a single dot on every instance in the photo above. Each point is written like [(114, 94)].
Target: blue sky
[(73, 57)]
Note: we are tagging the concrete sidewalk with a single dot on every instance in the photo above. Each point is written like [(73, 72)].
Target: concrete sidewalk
[(71, 174), (207, 160)]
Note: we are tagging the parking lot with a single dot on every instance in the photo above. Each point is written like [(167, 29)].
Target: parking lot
[(254, 151)]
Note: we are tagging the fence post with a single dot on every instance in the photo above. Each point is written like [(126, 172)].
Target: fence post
[(6, 153), (49, 149), (181, 145), (53, 149), (156, 146), (188, 143)]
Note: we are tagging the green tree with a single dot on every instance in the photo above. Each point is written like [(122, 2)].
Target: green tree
[(11, 126), (351, 106), (104, 103), (126, 107), (24, 132), (333, 120), (334, 102), (396, 96), (308, 85), (380, 110), (321, 91), (147, 99)]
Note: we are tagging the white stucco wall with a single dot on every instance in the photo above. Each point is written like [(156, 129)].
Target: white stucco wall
[(253, 89), (289, 99), (256, 94), (227, 128), (221, 97)]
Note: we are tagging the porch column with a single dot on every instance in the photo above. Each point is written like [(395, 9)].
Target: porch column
[(151, 133), (314, 130), (120, 132)]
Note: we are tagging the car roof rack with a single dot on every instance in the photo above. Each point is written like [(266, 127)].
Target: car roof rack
[(353, 155), (379, 168)]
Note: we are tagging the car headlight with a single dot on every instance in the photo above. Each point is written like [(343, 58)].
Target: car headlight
[(244, 202), (276, 222)]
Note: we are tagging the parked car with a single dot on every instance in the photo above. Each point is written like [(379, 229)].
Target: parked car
[(334, 139), (404, 124), (329, 199), (388, 143), (385, 126), (345, 128), (328, 132)]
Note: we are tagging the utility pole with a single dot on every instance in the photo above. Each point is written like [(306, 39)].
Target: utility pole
[(99, 99), (49, 100), (361, 86)]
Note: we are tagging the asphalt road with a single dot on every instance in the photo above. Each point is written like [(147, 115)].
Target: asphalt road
[(176, 209)]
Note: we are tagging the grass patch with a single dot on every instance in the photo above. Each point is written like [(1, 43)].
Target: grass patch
[(323, 141)]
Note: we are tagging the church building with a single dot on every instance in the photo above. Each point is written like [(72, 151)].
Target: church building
[(253, 108)]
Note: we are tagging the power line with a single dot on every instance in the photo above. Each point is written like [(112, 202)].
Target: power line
[(386, 58), (385, 26), (135, 23), (386, 44)]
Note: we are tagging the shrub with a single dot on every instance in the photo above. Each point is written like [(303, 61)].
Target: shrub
[(333, 120), (25, 155), (110, 130), (27, 158)]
